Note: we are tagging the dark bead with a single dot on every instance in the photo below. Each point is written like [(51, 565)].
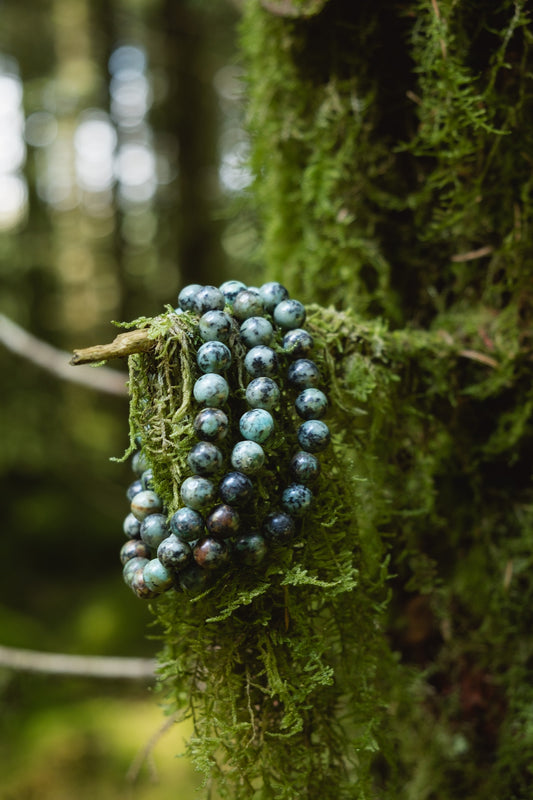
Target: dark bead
[(313, 436), (209, 298), (147, 479), (251, 549), (311, 404), (211, 553), (211, 425), (131, 566), (173, 553), (305, 467), (236, 489), (133, 489), (303, 373), (278, 527), (193, 580), (187, 297), (296, 499), (132, 527), (298, 342), (223, 522), (139, 586), (154, 529), (205, 458), (187, 524), (134, 548)]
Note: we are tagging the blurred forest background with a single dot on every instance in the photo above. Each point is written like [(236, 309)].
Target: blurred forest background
[(122, 178)]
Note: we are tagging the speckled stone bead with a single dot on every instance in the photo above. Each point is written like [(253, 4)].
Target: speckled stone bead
[(250, 549), (289, 314), (247, 304), (313, 436), (193, 580), (131, 566), (133, 489), (278, 528), (305, 467), (210, 553), (139, 463), (209, 298), (173, 553), (263, 393), (211, 425), (247, 457), (139, 586), (146, 503), (213, 357), (197, 492), (186, 298), (230, 290), (153, 530), (255, 331), (133, 548), (298, 342), (187, 524), (261, 361), (211, 390), (311, 404), (147, 479), (272, 293), (256, 425), (296, 499), (303, 373), (132, 527), (205, 458), (223, 522), (236, 489), (215, 326), (156, 576)]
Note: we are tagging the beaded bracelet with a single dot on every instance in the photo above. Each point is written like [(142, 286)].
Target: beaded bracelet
[(204, 535)]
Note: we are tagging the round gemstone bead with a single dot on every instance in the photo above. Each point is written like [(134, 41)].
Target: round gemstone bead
[(223, 522), (215, 326), (313, 436), (209, 298), (236, 488), (133, 489), (131, 566), (132, 527), (247, 304), (211, 389), (305, 467), (153, 530), (272, 293), (311, 404), (251, 549), (139, 586), (213, 357), (263, 393), (256, 330), (278, 527), (147, 479), (211, 425), (193, 580), (248, 457), (173, 553), (133, 548), (211, 553), (186, 298), (139, 463), (261, 361), (303, 373), (197, 492), (205, 458), (146, 503), (289, 314), (187, 524), (230, 290), (298, 342), (256, 425), (156, 576), (296, 499)]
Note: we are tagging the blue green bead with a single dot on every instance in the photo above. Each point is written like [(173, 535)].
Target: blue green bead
[(289, 314), (173, 553), (156, 576), (131, 566), (305, 467), (133, 489), (261, 361), (154, 529), (132, 527), (139, 586), (193, 580), (209, 298), (250, 549), (313, 436), (278, 528), (139, 463), (247, 457), (213, 357), (296, 499), (186, 298), (211, 425), (205, 458), (256, 330), (147, 479), (215, 326), (230, 290), (223, 522), (145, 503), (197, 492), (211, 389), (298, 342), (133, 548), (256, 425), (210, 553), (236, 488), (303, 373), (247, 304), (263, 393), (187, 524), (311, 404), (272, 293)]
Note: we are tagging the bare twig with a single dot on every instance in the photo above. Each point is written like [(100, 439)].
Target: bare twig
[(125, 344), (145, 753), (85, 666), (473, 254), (474, 355)]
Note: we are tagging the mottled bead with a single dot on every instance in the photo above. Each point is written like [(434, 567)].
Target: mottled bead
[(305, 467), (186, 298), (256, 330), (210, 553), (303, 373), (278, 527), (133, 548), (133, 489), (156, 576), (205, 458), (223, 522), (311, 404), (209, 298), (197, 492), (272, 293), (147, 479), (289, 314), (187, 524), (154, 529), (173, 553), (247, 457), (313, 436), (247, 304), (211, 425), (131, 566), (263, 393), (296, 499), (193, 580), (261, 361), (298, 342), (236, 488), (251, 549), (139, 587), (145, 503), (215, 326), (213, 357), (256, 425), (230, 290), (132, 527), (139, 463), (211, 389)]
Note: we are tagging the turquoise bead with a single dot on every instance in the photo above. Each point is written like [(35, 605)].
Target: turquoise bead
[(132, 527), (263, 393), (133, 489), (313, 436), (261, 361), (215, 326), (205, 458), (305, 467), (256, 330), (186, 298), (303, 373), (156, 576), (209, 298), (247, 457), (230, 290), (256, 425), (210, 553), (139, 463), (153, 530), (296, 499), (278, 528), (133, 548), (187, 524), (173, 553), (223, 522), (248, 304), (311, 404), (213, 357), (146, 503), (197, 492), (211, 389), (272, 293), (211, 425), (298, 342), (250, 549), (289, 314)]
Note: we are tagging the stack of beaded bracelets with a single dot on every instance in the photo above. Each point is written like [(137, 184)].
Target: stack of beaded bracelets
[(204, 534)]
